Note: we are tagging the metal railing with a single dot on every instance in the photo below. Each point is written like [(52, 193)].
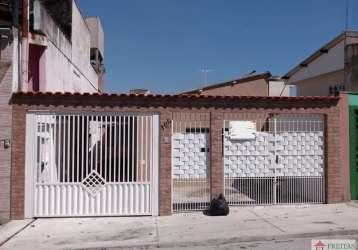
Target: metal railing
[(283, 162), (93, 164)]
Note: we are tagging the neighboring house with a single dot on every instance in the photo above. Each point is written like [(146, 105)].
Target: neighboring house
[(331, 69), (46, 46), (261, 84)]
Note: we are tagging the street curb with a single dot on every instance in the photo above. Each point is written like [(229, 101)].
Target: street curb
[(215, 242)]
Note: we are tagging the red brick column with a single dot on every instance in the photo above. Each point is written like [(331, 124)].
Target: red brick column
[(165, 171), (334, 157), (18, 163), (217, 166), (344, 111)]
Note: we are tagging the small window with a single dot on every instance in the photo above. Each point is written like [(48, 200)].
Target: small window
[(197, 130)]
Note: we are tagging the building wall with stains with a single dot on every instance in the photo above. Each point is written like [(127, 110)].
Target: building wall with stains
[(6, 83), (66, 66)]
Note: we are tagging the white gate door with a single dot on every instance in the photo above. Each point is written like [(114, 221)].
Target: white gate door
[(91, 164), (279, 159), (190, 162)]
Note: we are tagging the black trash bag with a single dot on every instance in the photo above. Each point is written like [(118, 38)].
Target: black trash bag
[(218, 207)]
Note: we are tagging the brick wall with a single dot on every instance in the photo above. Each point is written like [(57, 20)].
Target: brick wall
[(5, 126), (166, 106)]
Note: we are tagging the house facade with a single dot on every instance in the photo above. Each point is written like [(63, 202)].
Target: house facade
[(44, 46), (130, 155), (331, 69)]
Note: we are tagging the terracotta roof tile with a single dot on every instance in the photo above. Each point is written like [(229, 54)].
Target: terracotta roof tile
[(181, 96)]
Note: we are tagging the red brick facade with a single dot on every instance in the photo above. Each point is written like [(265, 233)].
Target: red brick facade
[(217, 107), (6, 80)]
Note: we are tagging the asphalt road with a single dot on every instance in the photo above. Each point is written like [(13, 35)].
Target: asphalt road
[(282, 244)]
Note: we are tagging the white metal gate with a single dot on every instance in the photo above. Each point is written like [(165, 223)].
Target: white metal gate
[(277, 159), (190, 161), (91, 164)]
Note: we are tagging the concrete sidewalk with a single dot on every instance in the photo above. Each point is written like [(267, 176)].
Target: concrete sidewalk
[(193, 229)]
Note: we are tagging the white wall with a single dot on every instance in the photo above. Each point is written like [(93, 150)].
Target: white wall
[(331, 61), (67, 64), (96, 32), (81, 48), (278, 88)]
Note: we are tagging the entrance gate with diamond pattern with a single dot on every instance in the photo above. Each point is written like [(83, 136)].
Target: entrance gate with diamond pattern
[(91, 164)]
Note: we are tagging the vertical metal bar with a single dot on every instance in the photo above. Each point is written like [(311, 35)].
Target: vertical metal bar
[(109, 169), (96, 145), (120, 166), (73, 148), (137, 150), (64, 151), (58, 148), (64, 178), (146, 148), (82, 146), (103, 143), (87, 145), (68, 148), (142, 149), (78, 146), (115, 155), (124, 152), (105, 147), (275, 154), (40, 150), (132, 142), (127, 149), (91, 125)]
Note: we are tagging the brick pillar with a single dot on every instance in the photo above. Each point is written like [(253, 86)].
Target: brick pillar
[(165, 173), (17, 202), (217, 166), (344, 133), (334, 165)]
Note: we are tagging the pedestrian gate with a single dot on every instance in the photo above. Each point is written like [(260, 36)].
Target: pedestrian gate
[(91, 164), (190, 161), (274, 159)]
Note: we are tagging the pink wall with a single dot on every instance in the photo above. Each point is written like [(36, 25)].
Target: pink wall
[(36, 68)]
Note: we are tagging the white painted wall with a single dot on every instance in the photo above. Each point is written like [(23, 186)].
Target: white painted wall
[(277, 88), (67, 64), (329, 62), (81, 49), (97, 35)]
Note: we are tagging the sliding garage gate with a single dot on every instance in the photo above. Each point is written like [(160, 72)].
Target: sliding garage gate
[(190, 161), (274, 159), (91, 164)]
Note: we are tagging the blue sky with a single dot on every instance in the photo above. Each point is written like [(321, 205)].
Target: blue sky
[(162, 44)]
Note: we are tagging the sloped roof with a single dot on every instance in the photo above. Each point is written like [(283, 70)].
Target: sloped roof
[(242, 79), (321, 51)]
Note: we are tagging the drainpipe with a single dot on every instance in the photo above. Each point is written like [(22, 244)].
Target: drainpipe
[(24, 45)]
